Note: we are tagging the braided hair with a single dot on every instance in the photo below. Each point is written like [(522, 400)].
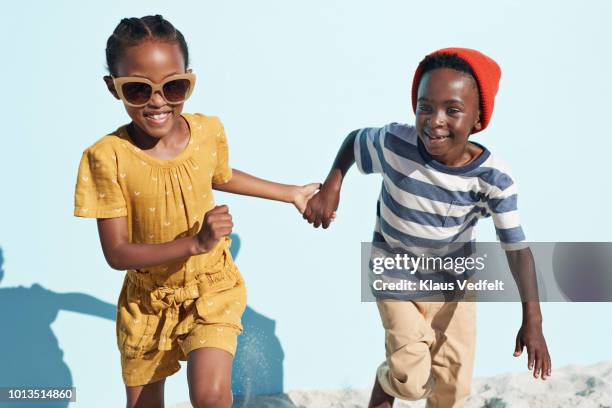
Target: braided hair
[(133, 31)]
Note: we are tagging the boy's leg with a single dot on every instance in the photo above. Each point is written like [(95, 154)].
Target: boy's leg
[(406, 372), (453, 354), (379, 398), (146, 396), (209, 372)]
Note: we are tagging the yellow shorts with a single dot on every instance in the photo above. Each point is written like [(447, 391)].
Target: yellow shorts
[(158, 326)]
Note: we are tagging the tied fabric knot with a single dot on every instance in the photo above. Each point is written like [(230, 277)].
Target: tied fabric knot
[(167, 301), (164, 297)]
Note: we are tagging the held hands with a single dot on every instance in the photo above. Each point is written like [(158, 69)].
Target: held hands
[(321, 208), (217, 224), (218, 221), (301, 194), (530, 335)]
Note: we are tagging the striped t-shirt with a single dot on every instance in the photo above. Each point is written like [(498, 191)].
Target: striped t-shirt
[(426, 204)]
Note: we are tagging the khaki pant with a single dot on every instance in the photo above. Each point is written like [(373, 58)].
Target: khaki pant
[(429, 351)]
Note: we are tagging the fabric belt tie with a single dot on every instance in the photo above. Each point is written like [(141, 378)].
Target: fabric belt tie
[(168, 301)]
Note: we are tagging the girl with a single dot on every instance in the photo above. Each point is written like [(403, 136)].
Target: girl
[(149, 184)]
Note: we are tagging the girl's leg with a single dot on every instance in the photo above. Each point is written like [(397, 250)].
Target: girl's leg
[(146, 396), (209, 373)]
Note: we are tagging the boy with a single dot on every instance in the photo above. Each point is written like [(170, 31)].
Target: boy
[(436, 185)]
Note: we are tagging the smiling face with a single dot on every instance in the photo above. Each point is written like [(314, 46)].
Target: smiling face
[(447, 112), (154, 60)]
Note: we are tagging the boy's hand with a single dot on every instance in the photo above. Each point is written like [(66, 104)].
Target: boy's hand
[(321, 209), (217, 224), (530, 335)]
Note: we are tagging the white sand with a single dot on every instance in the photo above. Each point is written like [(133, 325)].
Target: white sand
[(569, 387)]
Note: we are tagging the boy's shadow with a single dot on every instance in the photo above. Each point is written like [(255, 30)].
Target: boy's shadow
[(29, 351), (258, 365)]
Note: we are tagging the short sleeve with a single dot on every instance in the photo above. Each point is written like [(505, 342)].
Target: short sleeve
[(368, 150), (503, 207), (97, 192), (223, 172)]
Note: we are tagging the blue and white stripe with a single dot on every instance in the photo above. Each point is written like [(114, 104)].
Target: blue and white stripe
[(425, 204)]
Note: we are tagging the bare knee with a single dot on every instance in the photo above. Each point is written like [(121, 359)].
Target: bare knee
[(212, 396)]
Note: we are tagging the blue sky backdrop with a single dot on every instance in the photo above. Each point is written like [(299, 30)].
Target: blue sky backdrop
[(290, 80)]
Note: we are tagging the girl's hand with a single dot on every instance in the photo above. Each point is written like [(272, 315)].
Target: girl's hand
[(530, 335), (217, 224)]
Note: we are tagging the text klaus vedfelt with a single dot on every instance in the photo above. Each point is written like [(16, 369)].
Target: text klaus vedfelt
[(412, 264)]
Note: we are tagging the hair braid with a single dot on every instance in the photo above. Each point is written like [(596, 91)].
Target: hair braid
[(133, 31)]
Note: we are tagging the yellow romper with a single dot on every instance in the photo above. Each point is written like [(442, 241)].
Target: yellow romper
[(165, 312)]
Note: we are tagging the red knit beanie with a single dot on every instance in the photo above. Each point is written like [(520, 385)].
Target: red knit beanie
[(487, 74)]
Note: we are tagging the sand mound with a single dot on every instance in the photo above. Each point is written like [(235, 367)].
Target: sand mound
[(571, 386)]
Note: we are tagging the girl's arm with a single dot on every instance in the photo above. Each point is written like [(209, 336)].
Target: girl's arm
[(121, 254), (246, 184)]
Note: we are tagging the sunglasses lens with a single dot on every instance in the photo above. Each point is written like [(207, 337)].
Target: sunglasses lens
[(136, 92), (176, 91)]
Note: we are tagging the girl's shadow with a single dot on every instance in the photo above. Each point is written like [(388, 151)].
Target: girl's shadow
[(29, 351), (30, 355)]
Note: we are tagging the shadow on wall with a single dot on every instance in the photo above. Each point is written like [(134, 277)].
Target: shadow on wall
[(30, 354), (29, 351), (258, 365)]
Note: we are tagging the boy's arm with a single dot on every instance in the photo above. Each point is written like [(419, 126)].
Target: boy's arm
[(246, 184), (530, 334), (322, 206)]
